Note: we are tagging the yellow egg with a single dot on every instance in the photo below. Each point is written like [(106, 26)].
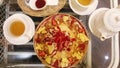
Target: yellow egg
[(41, 29), (82, 37), (48, 59)]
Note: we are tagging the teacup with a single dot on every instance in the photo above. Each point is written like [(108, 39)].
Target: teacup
[(84, 4), (37, 4), (18, 29)]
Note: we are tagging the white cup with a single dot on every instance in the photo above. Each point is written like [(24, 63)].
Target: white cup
[(25, 36), (82, 6), (32, 4)]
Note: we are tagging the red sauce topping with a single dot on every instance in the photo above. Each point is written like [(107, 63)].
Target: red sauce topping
[(60, 39), (40, 3)]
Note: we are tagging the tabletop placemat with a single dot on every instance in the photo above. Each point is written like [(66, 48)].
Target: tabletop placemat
[(41, 13)]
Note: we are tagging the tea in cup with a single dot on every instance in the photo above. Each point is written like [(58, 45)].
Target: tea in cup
[(18, 29), (84, 2)]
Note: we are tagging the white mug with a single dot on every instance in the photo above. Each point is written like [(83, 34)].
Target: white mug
[(25, 36), (83, 6)]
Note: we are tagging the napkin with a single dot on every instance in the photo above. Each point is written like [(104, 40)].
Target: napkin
[(52, 2)]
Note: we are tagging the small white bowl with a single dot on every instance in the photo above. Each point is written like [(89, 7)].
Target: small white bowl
[(33, 5)]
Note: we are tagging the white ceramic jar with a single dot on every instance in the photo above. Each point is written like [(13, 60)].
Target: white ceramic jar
[(105, 23)]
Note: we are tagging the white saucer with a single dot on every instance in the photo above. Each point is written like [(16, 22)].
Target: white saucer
[(78, 10), (22, 39), (91, 23)]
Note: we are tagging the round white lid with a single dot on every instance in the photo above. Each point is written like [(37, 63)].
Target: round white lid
[(112, 20)]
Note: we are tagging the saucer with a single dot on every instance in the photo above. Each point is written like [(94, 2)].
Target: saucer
[(79, 10), (21, 39)]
